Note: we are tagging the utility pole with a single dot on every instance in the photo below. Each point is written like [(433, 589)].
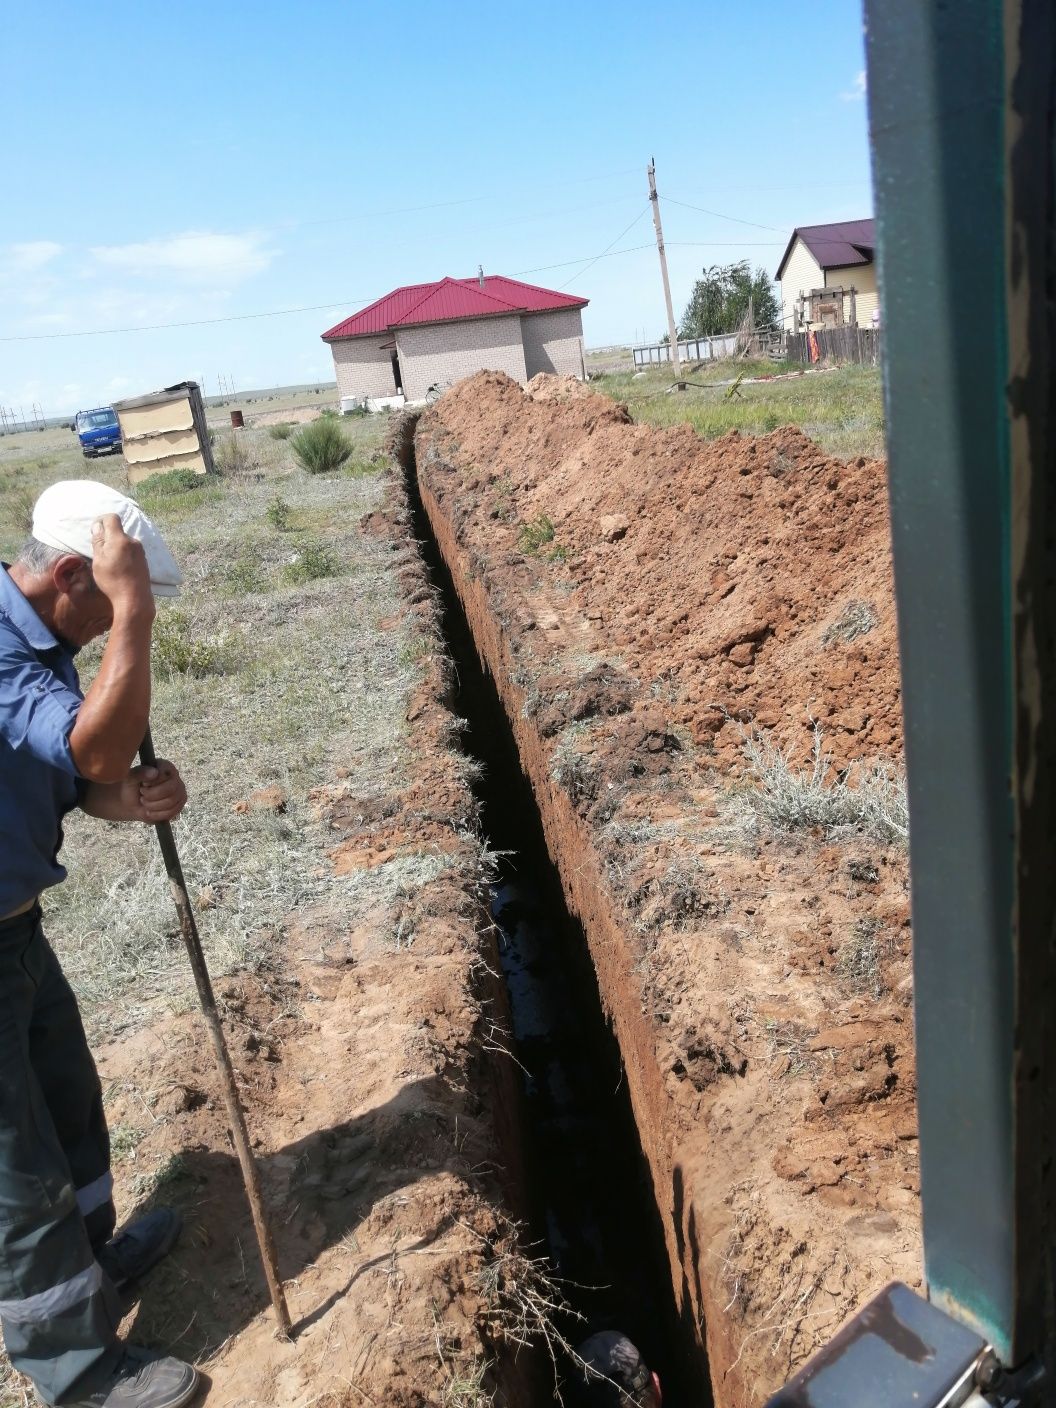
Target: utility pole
[(672, 331)]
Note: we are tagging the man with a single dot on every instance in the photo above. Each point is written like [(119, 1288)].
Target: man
[(612, 1372), (92, 566)]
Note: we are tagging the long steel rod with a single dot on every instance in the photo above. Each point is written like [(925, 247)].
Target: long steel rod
[(235, 1114)]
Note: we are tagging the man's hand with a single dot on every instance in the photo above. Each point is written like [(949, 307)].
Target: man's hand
[(119, 566), (147, 794), (111, 722)]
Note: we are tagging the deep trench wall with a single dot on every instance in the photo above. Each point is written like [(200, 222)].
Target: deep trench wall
[(588, 897), (521, 1377)]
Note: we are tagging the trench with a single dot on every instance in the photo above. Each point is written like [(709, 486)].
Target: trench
[(587, 1188)]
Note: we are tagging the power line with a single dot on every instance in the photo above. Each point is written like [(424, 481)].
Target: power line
[(190, 323), (587, 259), (718, 214), (724, 244), (607, 248), (445, 204)]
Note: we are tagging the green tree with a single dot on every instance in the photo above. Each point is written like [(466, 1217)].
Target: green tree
[(719, 301)]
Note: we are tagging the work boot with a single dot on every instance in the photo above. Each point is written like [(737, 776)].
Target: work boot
[(142, 1244), (145, 1379)]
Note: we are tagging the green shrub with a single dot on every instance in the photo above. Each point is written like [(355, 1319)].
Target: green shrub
[(244, 578), (172, 482), (322, 446), (535, 535), (18, 508), (362, 469), (279, 514), (282, 431), (234, 459), (311, 563), (177, 652)]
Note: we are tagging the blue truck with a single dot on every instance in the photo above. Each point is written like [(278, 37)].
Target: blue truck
[(98, 431)]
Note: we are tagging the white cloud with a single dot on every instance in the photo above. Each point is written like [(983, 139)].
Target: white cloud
[(856, 92), (25, 258), (196, 256)]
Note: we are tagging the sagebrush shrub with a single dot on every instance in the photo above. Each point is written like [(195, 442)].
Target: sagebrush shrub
[(311, 563), (176, 649), (321, 447)]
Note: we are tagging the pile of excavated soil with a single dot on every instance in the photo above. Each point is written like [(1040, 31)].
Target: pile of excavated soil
[(642, 598), (724, 568), (546, 387)]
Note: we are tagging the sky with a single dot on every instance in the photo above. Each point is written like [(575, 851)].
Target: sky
[(203, 163)]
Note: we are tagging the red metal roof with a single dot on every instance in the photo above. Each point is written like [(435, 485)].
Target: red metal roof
[(835, 246), (447, 301)]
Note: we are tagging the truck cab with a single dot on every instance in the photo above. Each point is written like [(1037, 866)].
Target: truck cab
[(98, 431)]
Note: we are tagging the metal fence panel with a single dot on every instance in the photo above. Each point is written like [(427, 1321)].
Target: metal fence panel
[(693, 349)]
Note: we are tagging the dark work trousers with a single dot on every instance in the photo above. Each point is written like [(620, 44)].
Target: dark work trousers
[(59, 1311)]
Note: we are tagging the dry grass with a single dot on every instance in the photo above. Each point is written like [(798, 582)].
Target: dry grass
[(466, 1388), (856, 619), (860, 961), (866, 799), (524, 1304), (261, 680)]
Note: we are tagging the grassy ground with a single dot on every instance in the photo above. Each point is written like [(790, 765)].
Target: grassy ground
[(276, 398), (842, 409), (272, 667), (608, 359)]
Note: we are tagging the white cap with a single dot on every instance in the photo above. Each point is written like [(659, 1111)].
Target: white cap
[(63, 518)]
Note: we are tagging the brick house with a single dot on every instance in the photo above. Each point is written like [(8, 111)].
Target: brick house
[(428, 334), (828, 276)]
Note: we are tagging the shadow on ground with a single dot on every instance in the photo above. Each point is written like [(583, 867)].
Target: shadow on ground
[(318, 1190)]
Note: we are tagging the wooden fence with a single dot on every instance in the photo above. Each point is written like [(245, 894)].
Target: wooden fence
[(846, 344)]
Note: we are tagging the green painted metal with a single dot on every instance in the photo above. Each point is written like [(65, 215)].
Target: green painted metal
[(937, 116)]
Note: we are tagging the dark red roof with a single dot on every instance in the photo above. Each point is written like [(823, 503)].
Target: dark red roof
[(835, 246), (448, 300)]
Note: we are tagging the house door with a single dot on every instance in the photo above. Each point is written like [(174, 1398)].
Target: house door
[(396, 375)]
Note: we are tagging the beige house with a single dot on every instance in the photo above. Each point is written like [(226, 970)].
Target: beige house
[(427, 335), (828, 277)]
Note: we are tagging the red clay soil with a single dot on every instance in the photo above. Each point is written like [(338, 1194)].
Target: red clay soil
[(642, 597), (717, 566)]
